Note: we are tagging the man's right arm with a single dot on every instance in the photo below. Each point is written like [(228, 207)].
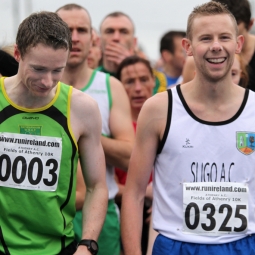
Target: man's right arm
[(150, 129), (118, 148), (86, 123)]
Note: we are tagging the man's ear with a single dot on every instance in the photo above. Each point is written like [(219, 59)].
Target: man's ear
[(251, 24), (98, 41), (16, 53), (166, 56), (240, 42), (135, 42), (186, 44)]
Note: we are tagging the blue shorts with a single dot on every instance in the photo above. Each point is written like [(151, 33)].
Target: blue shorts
[(167, 246)]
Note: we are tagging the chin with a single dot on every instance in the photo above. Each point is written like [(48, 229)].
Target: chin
[(137, 106)]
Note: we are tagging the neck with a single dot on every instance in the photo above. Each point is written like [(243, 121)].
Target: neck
[(211, 91), (19, 94), (171, 70), (135, 112), (77, 76), (213, 101)]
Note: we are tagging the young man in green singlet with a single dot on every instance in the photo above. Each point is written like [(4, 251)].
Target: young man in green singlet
[(117, 130), (45, 126)]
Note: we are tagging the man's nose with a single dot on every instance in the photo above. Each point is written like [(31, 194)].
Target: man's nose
[(116, 36), (137, 85), (216, 46), (47, 80), (74, 36)]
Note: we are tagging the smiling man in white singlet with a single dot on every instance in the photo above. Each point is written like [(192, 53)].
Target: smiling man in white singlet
[(204, 181)]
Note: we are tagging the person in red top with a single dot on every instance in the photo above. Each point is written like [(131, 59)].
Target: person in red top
[(136, 74)]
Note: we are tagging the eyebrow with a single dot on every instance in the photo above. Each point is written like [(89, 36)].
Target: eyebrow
[(44, 67)]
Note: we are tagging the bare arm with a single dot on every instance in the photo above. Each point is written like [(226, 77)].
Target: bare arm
[(118, 148), (80, 189), (121, 187), (150, 128), (86, 124)]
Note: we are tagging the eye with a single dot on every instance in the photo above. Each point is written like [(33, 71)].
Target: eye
[(124, 31), (144, 79), (57, 71), (225, 37), (82, 30), (205, 38), (38, 69), (129, 81), (109, 31)]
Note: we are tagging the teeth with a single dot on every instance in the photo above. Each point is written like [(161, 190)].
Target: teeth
[(216, 60)]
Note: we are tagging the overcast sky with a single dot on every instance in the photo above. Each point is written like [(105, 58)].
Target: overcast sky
[(152, 18)]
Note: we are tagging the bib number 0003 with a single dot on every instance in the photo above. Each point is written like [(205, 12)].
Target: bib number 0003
[(30, 162), (215, 208), (32, 170)]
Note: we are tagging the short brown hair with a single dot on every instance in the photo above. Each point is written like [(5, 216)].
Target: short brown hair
[(69, 7), (116, 15), (43, 27), (167, 40), (208, 9), (132, 60), (241, 10)]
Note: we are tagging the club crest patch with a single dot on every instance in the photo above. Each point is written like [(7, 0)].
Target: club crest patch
[(30, 130), (245, 142)]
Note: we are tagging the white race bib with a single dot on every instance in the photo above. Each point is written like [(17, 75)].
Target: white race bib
[(30, 162), (215, 208)]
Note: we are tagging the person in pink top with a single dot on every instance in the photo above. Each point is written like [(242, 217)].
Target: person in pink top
[(136, 74)]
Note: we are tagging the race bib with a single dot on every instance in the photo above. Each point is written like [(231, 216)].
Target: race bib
[(215, 209), (29, 162)]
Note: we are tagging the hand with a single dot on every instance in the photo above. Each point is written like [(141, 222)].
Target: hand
[(82, 250), (149, 211), (149, 192), (116, 52)]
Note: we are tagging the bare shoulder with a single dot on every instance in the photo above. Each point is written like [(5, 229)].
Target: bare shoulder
[(82, 103), (116, 87), (157, 103), (84, 113), (154, 113), (119, 96)]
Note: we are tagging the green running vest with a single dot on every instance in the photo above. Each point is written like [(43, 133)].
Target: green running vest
[(38, 162)]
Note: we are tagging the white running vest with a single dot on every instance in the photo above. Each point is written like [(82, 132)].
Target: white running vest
[(98, 88), (202, 166)]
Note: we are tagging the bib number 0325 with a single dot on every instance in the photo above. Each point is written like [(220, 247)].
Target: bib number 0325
[(192, 222), (215, 208)]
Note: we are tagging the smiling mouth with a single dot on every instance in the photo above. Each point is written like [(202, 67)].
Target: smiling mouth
[(216, 60)]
